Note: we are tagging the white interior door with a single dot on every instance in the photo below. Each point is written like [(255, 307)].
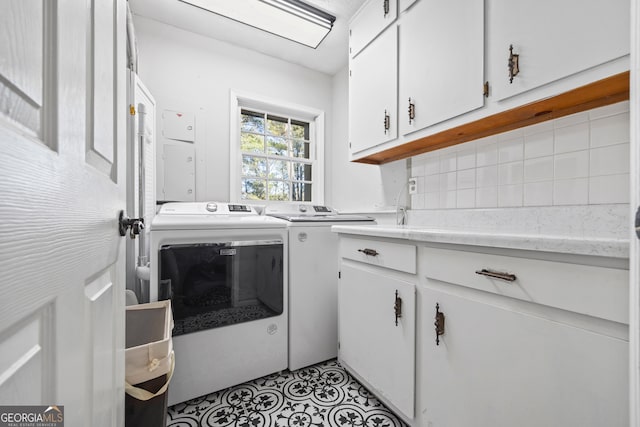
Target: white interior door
[(634, 198), (62, 180)]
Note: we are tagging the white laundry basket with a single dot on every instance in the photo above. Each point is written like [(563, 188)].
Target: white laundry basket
[(149, 363)]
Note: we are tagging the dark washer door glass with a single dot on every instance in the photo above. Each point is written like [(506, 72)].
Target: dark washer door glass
[(219, 284)]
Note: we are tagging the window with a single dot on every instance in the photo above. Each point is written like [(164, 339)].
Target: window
[(276, 153)]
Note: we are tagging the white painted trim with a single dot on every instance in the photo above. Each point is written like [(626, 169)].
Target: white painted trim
[(276, 106), (234, 152), (634, 202)]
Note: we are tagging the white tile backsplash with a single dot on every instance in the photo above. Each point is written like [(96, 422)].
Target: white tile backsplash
[(432, 200), (448, 181), (466, 179), (487, 176), (487, 197), (609, 189), (487, 154), (610, 160), (576, 160), (571, 191), (571, 138), (448, 199), (539, 169), (431, 165), (571, 120), (448, 162), (510, 173), (511, 151), (609, 110), (538, 145), (417, 200), (610, 130), (538, 128), (466, 198), (572, 165), (509, 196), (538, 193), (467, 158), (431, 183)]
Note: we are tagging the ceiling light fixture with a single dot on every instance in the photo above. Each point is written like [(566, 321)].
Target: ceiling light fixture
[(290, 19)]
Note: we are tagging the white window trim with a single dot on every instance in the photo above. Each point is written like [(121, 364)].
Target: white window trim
[(238, 100)]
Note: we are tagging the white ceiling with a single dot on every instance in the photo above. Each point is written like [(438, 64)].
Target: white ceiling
[(328, 58)]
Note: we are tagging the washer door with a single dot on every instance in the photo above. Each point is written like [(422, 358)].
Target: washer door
[(219, 284)]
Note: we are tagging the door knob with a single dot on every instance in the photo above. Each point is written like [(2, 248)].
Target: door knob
[(134, 225)]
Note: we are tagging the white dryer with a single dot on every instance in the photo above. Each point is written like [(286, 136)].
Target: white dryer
[(225, 269), (313, 280)]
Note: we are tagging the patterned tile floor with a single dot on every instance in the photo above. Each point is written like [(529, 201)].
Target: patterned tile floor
[(324, 395)]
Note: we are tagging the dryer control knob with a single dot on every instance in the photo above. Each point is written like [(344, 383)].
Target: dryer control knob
[(302, 208), (212, 207)]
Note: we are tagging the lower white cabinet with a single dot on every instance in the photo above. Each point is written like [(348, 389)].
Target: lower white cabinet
[(502, 368), (375, 345), (487, 337)]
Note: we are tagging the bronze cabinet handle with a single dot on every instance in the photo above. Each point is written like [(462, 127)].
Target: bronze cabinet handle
[(514, 65), (371, 252), (412, 111), (397, 307), (387, 122), (439, 323), (497, 275)]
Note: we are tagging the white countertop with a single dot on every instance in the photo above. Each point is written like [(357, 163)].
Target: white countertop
[(606, 247)]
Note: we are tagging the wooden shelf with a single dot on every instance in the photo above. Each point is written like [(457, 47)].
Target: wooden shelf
[(597, 94)]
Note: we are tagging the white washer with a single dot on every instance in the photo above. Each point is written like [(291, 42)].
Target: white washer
[(225, 268), (313, 280)]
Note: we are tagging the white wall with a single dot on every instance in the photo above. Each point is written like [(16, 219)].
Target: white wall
[(191, 73), (188, 72), (355, 186)]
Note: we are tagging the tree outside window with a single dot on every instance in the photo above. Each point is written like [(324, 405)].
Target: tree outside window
[(276, 160)]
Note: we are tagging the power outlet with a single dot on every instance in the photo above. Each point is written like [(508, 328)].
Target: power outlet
[(413, 185)]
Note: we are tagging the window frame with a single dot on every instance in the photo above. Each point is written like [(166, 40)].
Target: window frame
[(315, 118)]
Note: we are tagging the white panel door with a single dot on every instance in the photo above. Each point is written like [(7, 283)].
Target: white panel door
[(500, 368), (373, 93), (441, 57), (371, 343), (62, 180), (554, 39)]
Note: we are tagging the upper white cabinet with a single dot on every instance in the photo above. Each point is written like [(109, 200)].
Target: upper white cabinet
[(554, 39), (567, 52), (441, 62), (370, 21), (373, 99)]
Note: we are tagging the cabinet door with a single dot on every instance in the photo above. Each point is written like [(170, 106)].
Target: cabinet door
[(370, 21), (496, 367), (554, 39), (404, 5), (441, 58), (373, 93), (371, 344)]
